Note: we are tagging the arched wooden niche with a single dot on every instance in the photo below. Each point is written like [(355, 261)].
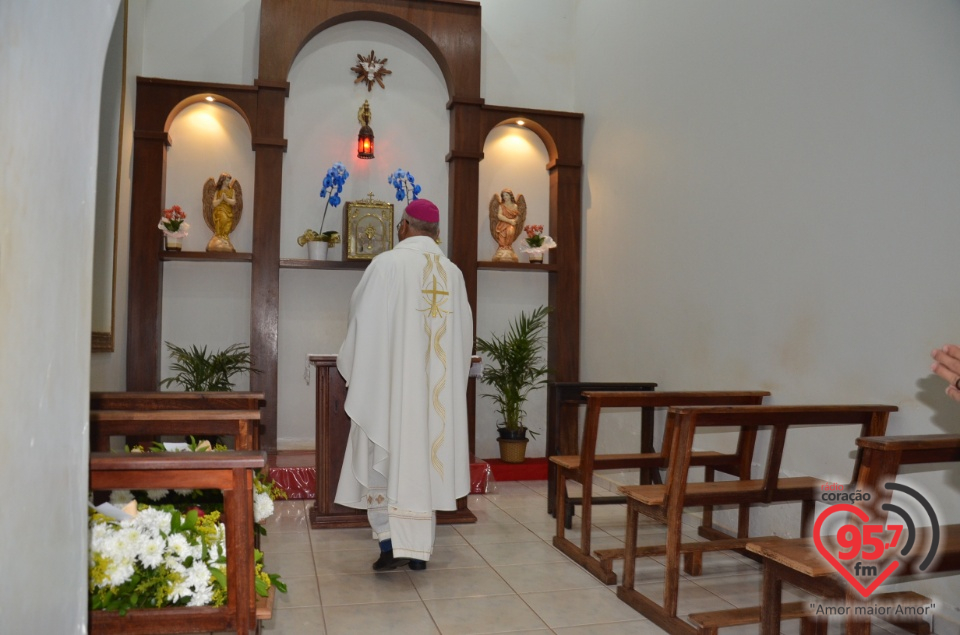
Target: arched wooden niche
[(562, 135)]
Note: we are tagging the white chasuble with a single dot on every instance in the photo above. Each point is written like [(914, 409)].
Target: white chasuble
[(405, 359)]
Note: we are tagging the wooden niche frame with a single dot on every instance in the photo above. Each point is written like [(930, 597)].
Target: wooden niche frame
[(450, 31)]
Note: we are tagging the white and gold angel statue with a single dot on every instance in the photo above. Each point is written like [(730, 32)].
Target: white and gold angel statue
[(507, 217), (222, 208)]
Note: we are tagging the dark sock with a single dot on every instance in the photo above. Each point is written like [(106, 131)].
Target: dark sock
[(386, 545)]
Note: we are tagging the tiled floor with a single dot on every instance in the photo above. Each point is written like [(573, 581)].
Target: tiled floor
[(500, 575)]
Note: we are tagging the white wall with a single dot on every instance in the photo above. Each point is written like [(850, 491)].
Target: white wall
[(788, 181), (47, 197)]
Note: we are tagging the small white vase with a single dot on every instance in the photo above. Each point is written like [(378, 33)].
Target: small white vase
[(172, 243), (317, 249)]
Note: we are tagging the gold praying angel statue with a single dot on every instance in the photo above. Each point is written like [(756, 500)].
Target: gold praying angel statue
[(222, 208), (507, 217)]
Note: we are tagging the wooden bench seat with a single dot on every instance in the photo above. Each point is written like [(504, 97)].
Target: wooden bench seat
[(801, 564), (731, 492), (158, 400), (581, 467), (608, 556), (230, 472), (626, 461), (668, 501)]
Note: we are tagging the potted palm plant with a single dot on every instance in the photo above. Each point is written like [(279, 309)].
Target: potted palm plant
[(200, 371), (513, 366)]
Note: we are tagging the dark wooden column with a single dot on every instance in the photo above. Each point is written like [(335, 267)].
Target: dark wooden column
[(270, 145), (463, 193), (145, 273), (563, 350)]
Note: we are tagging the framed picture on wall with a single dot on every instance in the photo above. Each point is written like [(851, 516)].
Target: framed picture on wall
[(367, 228)]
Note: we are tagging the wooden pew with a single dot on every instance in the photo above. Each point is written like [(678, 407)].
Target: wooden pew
[(564, 399), (799, 563), (666, 502), (230, 472), (580, 467), (142, 417)]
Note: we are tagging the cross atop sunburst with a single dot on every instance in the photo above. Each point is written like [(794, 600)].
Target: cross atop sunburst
[(369, 69)]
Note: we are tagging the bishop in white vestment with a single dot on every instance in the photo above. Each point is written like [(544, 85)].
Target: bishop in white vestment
[(406, 359)]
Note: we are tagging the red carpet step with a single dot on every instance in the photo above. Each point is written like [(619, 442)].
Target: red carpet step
[(295, 471)]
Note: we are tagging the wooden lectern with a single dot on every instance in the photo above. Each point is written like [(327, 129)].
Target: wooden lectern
[(333, 428)]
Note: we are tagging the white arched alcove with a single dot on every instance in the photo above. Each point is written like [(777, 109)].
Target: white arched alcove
[(208, 303), (411, 130), (514, 158)]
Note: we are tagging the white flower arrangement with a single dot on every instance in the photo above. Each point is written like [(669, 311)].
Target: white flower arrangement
[(160, 557), (157, 558), (172, 222)]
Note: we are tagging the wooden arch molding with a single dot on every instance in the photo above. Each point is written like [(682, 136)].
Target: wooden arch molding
[(448, 29)]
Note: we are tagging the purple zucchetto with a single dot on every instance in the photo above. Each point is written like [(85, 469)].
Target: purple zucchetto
[(423, 210)]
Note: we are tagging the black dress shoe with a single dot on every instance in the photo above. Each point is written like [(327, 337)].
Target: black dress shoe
[(418, 565), (387, 562)]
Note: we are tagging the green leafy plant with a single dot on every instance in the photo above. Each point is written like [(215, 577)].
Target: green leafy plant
[(517, 365), (197, 370)]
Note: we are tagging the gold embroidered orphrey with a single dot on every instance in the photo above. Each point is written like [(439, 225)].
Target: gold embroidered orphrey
[(432, 296)]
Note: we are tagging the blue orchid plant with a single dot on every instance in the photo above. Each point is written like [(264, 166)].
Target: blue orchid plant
[(404, 182), (333, 182)]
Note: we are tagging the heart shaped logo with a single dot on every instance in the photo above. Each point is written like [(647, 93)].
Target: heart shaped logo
[(865, 591)]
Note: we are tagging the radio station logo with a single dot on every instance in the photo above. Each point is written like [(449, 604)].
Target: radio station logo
[(866, 552)]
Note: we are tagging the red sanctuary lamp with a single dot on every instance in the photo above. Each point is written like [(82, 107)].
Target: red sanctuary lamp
[(365, 143), (365, 138)]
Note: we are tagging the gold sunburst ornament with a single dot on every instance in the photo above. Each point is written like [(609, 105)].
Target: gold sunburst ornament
[(369, 69)]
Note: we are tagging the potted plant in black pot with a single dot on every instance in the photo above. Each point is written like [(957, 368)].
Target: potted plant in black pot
[(513, 366)]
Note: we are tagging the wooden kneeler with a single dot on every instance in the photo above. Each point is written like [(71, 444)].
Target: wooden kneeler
[(668, 501), (581, 467)]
